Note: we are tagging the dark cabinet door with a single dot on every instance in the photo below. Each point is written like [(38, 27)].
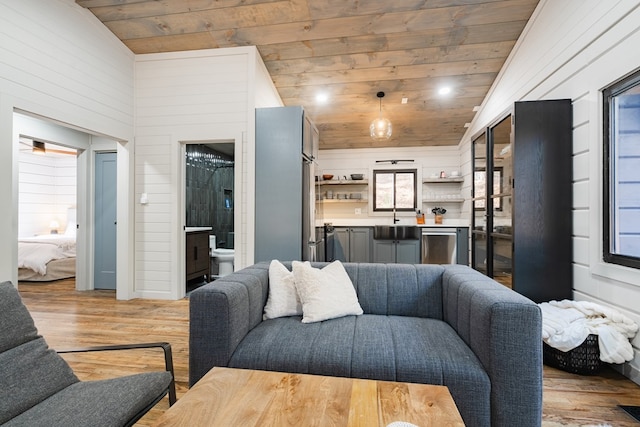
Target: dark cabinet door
[(522, 195), (542, 211), (197, 255)]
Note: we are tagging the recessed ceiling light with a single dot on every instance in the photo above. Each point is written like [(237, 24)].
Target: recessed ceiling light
[(445, 90), (405, 100), (322, 98)]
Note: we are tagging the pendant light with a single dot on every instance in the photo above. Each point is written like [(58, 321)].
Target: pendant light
[(381, 127)]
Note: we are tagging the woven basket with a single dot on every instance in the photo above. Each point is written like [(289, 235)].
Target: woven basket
[(584, 359)]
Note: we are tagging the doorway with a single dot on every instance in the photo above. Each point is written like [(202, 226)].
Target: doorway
[(209, 199), (71, 201), (47, 200)]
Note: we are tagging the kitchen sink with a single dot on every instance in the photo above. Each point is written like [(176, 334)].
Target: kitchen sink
[(396, 232), (407, 232)]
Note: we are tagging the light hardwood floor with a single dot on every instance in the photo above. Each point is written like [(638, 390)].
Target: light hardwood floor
[(67, 319)]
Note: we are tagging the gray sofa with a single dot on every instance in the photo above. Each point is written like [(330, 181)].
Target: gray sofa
[(433, 324)]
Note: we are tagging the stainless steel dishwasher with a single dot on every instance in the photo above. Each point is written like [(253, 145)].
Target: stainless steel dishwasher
[(439, 245)]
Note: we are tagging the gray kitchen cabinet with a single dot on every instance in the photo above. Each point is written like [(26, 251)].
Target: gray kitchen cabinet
[(384, 251), (408, 251), (396, 251), (353, 244), (341, 242)]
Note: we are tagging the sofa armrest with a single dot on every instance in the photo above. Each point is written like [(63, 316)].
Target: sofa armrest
[(221, 314), (504, 330)]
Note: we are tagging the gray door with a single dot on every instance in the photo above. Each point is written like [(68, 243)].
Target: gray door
[(104, 275)]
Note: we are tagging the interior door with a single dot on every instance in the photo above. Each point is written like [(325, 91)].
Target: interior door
[(500, 138), (104, 276), (480, 259)]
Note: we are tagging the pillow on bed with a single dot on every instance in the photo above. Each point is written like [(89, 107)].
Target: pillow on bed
[(283, 299), (325, 293), (71, 230)]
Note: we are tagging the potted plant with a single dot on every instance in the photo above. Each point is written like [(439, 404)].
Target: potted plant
[(438, 212)]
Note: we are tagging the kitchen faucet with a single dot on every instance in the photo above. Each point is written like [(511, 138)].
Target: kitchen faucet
[(395, 220)]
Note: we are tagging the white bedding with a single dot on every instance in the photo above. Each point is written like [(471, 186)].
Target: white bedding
[(35, 252)]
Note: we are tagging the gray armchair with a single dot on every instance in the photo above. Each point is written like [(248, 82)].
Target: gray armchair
[(38, 387)]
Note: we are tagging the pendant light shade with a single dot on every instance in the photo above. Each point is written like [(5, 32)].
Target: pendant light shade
[(380, 128)]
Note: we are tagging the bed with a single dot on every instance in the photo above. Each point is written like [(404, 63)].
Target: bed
[(47, 257)]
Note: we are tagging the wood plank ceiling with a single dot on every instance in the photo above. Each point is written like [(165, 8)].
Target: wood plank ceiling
[(348, 50)]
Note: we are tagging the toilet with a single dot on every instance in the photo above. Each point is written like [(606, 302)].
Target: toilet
[(222, 258)]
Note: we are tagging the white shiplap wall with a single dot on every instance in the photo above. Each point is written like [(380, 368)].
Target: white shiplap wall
[(57, 61), (195, 96), (572, 49), (426, 160), (57, 53), (47, 189)]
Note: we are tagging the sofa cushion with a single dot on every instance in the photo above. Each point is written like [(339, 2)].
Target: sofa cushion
[(392, 348), (30, 373), (17, 326), (29, 370), (398, 289), (111, 402)]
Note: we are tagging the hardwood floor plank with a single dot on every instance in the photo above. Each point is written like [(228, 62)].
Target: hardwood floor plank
[(68, 318)]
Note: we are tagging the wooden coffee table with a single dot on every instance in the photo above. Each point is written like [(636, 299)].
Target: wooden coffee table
[(243, 397)]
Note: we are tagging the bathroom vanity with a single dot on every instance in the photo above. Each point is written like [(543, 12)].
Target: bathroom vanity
[(197, 252)]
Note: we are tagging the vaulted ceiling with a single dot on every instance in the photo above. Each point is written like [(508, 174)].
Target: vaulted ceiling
[(348, 50)]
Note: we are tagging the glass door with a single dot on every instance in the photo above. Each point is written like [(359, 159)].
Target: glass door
[(480, 259), (500, 183)]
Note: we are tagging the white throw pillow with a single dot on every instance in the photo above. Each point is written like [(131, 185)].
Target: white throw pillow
[(325, 294), (283, 299)]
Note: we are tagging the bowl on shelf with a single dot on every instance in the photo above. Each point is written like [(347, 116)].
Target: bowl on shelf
[(357, 176), (327, 177)]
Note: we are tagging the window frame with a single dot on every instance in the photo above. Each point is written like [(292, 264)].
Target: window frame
[(608, 137), (395, 190)]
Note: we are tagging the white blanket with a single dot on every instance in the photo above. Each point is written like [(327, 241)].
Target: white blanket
[(64, 242), (36, 252), (566, 324)]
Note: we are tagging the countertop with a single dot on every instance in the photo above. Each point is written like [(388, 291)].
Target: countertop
[(194, 229), (370, 222)]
